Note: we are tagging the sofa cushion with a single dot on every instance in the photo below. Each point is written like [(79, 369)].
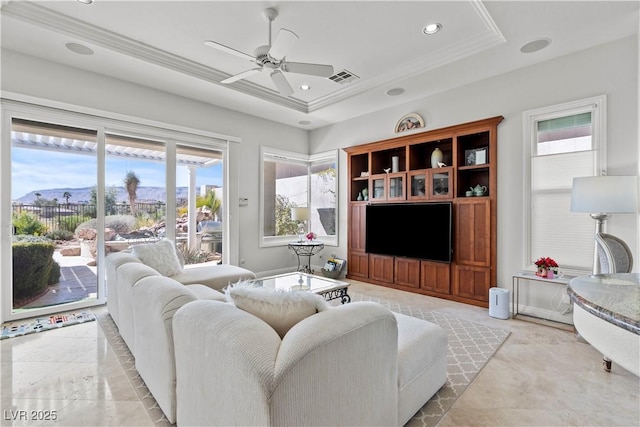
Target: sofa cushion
[(279, 309), (205, 292), (161, 256), (213, 275)]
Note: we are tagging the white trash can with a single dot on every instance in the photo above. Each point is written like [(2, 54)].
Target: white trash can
[(499, 303)]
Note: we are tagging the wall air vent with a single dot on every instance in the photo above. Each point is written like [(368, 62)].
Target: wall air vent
[(343, 77)]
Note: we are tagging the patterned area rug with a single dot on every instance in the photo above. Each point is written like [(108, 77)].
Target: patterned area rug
[(45, 323), (471, 345)]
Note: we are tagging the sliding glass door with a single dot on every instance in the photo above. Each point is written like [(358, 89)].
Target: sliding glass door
[(53, 181), (77, 188)]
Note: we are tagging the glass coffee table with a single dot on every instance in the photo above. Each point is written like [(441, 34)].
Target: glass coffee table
[(330, 289)]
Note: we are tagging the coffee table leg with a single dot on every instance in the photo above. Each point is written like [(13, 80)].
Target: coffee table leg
[(337, 293)]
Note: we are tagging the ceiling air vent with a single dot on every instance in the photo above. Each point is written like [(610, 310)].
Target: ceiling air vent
[(343, 77)]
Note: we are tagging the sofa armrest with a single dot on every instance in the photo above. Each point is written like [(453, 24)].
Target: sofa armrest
[(156, 299), (224, 365), (233, 369), (327, 360)]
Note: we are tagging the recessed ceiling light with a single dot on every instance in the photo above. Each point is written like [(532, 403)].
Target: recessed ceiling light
[(305, 87), (432, 29), (304, 122), (78, 48), (535, 45), (395, 91), (85, 1)]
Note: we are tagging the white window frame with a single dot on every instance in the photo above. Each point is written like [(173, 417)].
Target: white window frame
[(266, 152), (37, 109), (598, 107)]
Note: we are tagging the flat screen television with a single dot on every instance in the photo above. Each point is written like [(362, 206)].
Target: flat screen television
[(413, 230)]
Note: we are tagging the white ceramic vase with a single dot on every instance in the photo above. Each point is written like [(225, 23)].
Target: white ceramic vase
[(436, 157), (395, 164)]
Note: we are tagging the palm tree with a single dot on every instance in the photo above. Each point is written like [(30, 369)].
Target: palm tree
[(210, 200), (131, 182), (66, 196), (38, 196)]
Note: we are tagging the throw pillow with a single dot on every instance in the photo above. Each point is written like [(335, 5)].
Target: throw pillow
[(280, 309), (161, 256)]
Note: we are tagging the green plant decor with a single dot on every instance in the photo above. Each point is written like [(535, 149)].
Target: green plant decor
[(33, 266), (28, 223)]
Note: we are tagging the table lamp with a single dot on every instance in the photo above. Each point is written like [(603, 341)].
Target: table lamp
[(301, 215), (601, 196)]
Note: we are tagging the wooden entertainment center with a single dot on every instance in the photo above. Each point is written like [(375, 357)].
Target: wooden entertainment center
[(469, 160)]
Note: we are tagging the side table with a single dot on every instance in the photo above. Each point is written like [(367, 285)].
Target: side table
[(529, 275), (306, 249)]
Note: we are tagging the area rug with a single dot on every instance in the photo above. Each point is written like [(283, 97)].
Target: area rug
[(471, 345), (40, 324)]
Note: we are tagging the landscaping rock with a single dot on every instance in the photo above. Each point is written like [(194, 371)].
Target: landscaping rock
[(70, 251)]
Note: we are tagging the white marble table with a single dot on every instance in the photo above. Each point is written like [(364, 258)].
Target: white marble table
[(607, 314)]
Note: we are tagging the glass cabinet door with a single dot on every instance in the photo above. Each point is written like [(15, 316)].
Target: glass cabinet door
[(417, 185), (441, 185), (396, 186), (377, 187)]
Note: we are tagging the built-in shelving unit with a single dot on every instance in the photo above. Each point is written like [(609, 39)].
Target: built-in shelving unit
[(400, 170)]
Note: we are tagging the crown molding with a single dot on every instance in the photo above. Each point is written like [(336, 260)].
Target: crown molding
[(42, 17)]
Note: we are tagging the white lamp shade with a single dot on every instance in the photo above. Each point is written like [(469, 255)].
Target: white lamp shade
[(605, 194), (300, 214)]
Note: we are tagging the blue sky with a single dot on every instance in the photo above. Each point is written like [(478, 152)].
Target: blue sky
[(34, 169)]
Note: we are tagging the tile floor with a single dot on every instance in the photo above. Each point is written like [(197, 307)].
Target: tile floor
[(541, 376)]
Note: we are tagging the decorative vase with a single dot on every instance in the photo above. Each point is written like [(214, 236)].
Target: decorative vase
[(549, 274), (365, 193), (395, 164), (436, 157), (542, 272), (359, 196)]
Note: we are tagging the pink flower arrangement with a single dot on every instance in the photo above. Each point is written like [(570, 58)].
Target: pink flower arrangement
[(311, 235)]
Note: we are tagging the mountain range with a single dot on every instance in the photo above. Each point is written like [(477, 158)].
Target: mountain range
[(83, 194)]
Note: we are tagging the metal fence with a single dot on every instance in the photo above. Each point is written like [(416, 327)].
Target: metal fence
[(67, 216)]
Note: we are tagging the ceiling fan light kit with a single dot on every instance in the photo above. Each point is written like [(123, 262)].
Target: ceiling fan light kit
[(271, 58)]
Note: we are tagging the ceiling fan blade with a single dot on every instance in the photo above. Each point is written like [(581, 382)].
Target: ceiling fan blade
[(228, 49), (281, 83), (283, 42), (306, 68), (241, 75)]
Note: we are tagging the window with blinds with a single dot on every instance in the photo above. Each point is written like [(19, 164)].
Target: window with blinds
[(566, 141)]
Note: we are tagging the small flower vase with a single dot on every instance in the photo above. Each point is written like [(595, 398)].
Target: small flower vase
[(542, 272), (549, 274)]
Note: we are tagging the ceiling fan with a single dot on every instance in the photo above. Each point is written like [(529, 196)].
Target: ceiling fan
[(271, 59)]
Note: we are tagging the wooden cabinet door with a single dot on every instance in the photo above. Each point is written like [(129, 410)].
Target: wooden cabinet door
[(472, 282), (357, 227), (407, 272), (435, 277), (358, 265), (473, 232), (381, 268)]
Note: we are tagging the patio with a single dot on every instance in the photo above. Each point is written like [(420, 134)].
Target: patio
[(78, 281)]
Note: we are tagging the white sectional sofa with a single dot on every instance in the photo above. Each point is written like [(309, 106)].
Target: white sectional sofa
[(124, 269), (208, 361), (156, 299), (357, 364)]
